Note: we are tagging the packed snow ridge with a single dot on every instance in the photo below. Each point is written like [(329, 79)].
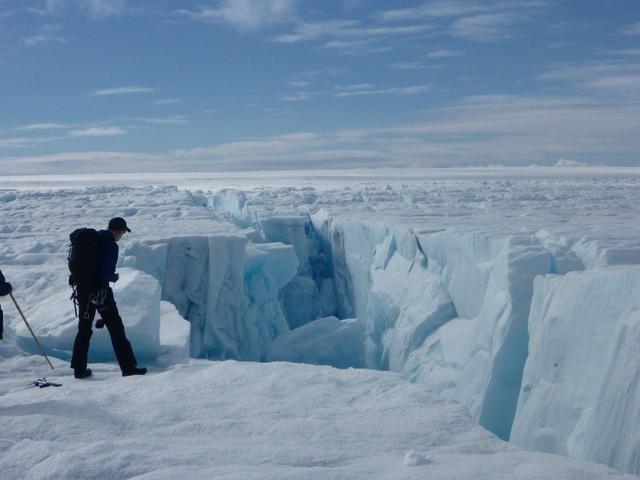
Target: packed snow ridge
[(536, 332)]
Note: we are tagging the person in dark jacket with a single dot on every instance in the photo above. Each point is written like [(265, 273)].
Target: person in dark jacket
[(5, 289), (99, 297)]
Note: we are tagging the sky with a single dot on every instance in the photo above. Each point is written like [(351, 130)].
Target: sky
[(95, 86)]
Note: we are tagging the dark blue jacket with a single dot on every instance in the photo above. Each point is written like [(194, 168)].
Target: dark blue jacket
[(108, 257), (5, 287)]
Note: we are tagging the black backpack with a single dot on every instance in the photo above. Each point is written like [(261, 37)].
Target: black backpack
[(84, 256)]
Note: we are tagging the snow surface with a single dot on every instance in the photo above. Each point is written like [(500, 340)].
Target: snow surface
[(459, 281), (244, 421)]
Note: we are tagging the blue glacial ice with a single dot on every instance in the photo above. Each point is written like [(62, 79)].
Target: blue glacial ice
[(581, 383)]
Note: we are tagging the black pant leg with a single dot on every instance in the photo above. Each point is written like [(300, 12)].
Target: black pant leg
[(86, 314), (1, 323), (113, 321)]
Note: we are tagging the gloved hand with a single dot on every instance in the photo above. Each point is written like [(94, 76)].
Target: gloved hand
[(98, 300), (5, 289)]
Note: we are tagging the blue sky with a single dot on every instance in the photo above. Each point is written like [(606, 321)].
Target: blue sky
[(162, 85)]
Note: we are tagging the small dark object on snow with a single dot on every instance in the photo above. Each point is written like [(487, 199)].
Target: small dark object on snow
[(43, 383), (134, 371)]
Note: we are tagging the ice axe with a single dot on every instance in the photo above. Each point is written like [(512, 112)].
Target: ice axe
[(30, 329)]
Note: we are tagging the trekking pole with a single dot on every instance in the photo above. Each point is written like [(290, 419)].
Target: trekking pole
[(30, 330)]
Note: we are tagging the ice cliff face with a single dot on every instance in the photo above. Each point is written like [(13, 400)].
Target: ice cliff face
[(538, 349), (227, 289), (581, 383)]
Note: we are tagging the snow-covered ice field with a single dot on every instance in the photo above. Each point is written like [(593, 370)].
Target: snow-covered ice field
[(472, 304)]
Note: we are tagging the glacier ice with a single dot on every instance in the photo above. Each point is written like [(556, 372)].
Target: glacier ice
[(416, 293), (580, 393), (454, 311), (325, 341), (273, 274), (310, 294), (228, 290)]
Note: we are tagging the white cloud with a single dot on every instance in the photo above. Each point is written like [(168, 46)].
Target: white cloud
[(434, 10), (84, 162), (457, 8), (90, 156), (486, 129), (297, 83), (278, 151), (360, 46), (104, 8), (356, 90), (261, 146), (482, 21), (18, 142), (416, 65), (97, 132), (167, 101), (43, 126), (331, 72), (429, 62), (342, 30), (566, 162), (352, 37), (245, 15), (626, 52), (96, 9), (122, 91), (476, 21), (298, 96), (621, 77), (519, 129), (350, 88), (633, 29), (488, 27), (46, 34), (444, 53), (169, 120), (366, 89)]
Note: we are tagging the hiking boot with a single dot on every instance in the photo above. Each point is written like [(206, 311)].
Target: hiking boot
[(134, 371), (82, 373)]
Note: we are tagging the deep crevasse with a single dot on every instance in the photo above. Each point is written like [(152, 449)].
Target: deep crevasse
[(448, 310)]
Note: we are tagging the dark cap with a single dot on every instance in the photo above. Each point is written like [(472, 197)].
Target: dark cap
[(118, 224)]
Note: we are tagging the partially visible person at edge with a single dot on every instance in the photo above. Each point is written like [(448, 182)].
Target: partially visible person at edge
[(5, 289), (99, 297)]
